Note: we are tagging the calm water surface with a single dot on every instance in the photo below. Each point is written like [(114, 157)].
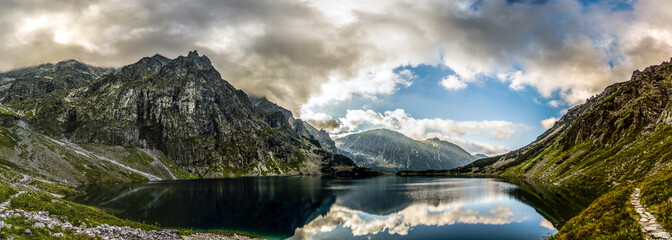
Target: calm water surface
[(387, 207)]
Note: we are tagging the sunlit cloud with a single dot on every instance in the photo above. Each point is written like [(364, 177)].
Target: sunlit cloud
[(554, 103), (452, 82), (549, 122)]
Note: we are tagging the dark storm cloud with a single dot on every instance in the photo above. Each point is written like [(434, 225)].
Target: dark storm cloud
[(304, 55), (114, 33)]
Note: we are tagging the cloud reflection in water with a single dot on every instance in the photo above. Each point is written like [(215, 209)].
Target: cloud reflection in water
[(362, 223)]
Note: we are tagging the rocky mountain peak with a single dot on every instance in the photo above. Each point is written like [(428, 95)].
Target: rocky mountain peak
[(142, 69), (70, 66), (202, 61), (158, 58), (195, 69), (654, 70), (68, 62), (24, 86), (155, 61)]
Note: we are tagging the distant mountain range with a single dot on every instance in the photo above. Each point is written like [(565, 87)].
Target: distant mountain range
[(158, 118), (390, 151)]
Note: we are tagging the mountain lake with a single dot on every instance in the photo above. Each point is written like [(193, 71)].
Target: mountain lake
[(387, 207)]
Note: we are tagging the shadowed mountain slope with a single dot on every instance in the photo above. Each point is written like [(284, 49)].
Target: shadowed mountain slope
[(391, 151)]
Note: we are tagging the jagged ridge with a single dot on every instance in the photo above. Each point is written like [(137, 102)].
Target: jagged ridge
[(279, 116)]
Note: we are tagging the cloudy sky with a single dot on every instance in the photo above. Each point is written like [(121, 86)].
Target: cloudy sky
[(489, 75)]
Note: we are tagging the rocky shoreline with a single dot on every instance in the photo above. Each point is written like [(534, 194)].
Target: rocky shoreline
[(43, 220)]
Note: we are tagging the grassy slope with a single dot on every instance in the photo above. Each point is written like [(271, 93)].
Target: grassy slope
[(657, 197), (611, 216), (600, 169), (27, 151), (617, 137), (64, 210), (15, 142), (140, 159), (626, 164), (72, 212)]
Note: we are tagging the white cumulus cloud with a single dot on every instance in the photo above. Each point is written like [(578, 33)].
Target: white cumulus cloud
[(548, 123), (452, 82)]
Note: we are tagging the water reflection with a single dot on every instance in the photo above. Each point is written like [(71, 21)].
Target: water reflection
[(362, 223), (314, 208), (392, 207)]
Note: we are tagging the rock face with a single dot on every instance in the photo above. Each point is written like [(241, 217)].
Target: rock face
[(304, 129), (46, 90), (620, 135), (390, 151), (183, 108)]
